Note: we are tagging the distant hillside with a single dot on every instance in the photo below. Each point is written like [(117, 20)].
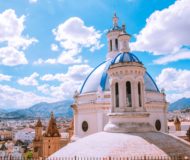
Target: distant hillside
[(181, 104), (2, 111), (43, 109)]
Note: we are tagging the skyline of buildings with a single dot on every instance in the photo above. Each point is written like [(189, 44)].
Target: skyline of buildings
[(118, 78)]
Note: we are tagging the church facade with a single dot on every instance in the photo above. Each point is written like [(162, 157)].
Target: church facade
[(122, 87)]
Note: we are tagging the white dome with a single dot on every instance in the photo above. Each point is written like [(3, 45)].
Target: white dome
[(99, 77)]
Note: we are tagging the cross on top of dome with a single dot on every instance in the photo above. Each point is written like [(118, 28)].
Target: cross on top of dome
[(115, 20)]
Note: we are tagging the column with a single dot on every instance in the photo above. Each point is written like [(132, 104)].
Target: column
[(112, 87), (113, 45), (143, 95), (134, 93), (121, 95)]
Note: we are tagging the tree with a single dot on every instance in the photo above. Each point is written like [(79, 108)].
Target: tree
[(28, 155)]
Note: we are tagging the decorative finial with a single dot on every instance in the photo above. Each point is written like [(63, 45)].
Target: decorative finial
[(163, 90), (39, 123), (123, 28), (52, 115), (76, 94), (115, 20), (115, 14)]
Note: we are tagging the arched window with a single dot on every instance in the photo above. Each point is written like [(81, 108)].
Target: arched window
[(117, 95), (110, 45), (116, 44), (128, 94), (139, 94)]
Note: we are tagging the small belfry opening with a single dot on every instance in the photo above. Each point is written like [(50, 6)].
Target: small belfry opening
[(110, 45), (116, 95), (139, 94), (116, 45), (128, 94)]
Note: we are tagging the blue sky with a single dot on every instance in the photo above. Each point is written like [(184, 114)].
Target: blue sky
[(42, 60)]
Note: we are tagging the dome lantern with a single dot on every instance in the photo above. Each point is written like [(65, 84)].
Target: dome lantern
[(112, 38), (124, 39), (118, 39)]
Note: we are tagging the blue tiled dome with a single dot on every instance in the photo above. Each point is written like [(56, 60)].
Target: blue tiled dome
[(125, 57), (99, 77), (115, 28)]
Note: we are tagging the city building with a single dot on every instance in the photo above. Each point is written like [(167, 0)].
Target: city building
[(119, 110), (25, 135), (6, 135)]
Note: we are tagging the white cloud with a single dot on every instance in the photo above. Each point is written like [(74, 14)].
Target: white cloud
[(54, 47), (173, 57), (33, 1), (51, 77), (173, 97), (75, 72), (166, 32), (175, 82), (10, 56), (4, 77), (67, 57), (70, 81), (39, 61), (73, 35), (11, 39), (29, 81), (12, 97), (44, 88)]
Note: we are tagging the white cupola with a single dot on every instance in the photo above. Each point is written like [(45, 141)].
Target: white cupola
[(112, 38), (118, 39)]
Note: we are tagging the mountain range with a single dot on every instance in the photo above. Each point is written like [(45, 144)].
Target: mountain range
[(181, 104), (63, 109), (43, 110)]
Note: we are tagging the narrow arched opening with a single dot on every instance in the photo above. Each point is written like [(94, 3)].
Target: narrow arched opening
[(110, 45), (116, 44), (139, 94), (117, 95), (128, 94)]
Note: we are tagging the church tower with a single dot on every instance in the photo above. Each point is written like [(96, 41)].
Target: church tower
[(51, 138), (38, 130), (37, 142), (177, 124)]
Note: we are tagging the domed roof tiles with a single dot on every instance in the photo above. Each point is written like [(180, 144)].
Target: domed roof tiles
[(99, 77)]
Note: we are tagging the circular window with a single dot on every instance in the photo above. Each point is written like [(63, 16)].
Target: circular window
[(158, 125), (84, 126)]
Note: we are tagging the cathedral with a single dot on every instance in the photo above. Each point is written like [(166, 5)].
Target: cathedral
[(120, 86), (119, 110)]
